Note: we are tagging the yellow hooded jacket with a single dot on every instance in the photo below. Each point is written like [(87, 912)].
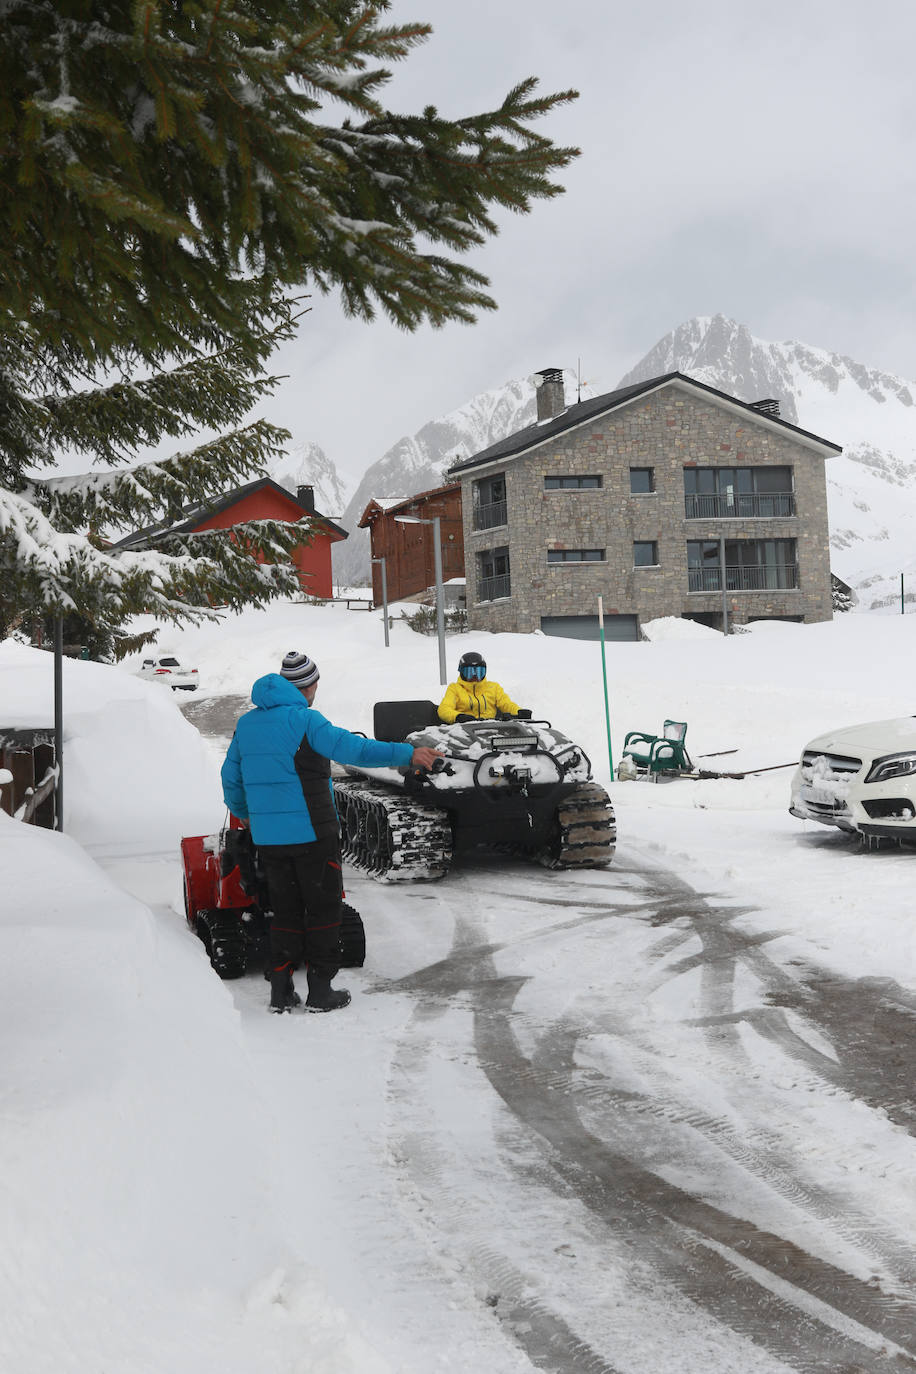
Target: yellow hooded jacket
[(479, 699)]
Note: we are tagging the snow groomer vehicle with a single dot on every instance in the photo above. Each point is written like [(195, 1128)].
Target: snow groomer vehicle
[(514, 785)]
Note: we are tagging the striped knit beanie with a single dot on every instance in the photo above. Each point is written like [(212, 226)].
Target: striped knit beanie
[(299, 670)]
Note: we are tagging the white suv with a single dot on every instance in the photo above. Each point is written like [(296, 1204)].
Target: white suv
[(861, 778), (170, 672)]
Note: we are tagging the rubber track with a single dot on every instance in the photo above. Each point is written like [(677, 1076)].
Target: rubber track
[(225, 942), (394, 838), (588, 830)]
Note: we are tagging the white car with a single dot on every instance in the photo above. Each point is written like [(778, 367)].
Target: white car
[(861, 778), (170, 672)]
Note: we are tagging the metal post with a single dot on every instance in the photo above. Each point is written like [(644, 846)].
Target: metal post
[(440, 591), (59, 720), (440, 599), (384, 595), (902, 609), (607, 709), (724, 588)]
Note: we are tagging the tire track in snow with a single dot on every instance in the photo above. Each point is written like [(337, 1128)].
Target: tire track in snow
[(739, 1269)]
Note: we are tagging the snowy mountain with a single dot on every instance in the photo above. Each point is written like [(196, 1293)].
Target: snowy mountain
[(416, 463), (308, 465), (871, 414)]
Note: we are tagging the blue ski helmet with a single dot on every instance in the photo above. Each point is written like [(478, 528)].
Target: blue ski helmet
[(471, 667)]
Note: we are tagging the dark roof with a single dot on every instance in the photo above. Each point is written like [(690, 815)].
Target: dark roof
[(399, 503), (584, 411), (191, 516)]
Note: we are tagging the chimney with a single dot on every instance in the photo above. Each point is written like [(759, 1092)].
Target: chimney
[(306, 498), (768, 407), (550, 395)]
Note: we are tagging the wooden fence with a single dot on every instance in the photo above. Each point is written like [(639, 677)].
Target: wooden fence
[(28, 763)]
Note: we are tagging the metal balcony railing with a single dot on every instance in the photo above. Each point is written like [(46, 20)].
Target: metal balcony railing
[(490, 514), (492, 588), (741, 506), (763, 578)]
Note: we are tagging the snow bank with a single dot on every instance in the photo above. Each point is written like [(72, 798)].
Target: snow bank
[(668, 627), (136, 1203), (137, 775)]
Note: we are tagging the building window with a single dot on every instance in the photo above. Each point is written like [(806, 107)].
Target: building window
[(642, 481), (751, 565), (571, 483), (490, 509), (493, 575), (645, 553), (738, 493), (575, 555)]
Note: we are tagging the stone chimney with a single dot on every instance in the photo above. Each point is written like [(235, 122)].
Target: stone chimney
[(550, 395), (768, 407), (306, 498)]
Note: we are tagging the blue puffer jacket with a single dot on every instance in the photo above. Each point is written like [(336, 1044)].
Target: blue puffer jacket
[(277, 773)]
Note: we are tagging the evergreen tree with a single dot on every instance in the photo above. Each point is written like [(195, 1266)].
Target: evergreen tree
[(170, 178), (843, 597)]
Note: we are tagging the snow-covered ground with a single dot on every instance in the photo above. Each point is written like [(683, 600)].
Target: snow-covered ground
[(456, 1172)]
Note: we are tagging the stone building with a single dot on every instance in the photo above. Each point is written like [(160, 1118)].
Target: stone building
[(646, 497)]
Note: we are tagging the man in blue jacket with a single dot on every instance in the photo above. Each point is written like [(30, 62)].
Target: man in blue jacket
[(277, 777)]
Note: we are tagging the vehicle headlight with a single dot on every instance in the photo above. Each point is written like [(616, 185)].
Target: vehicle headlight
[(892, 766)]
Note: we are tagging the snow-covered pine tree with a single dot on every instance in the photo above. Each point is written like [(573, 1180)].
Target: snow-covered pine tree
[(171, 175)]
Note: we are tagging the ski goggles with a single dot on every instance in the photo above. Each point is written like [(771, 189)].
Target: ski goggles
[(474, 672)]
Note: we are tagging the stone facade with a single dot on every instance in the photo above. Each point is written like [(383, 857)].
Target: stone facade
[(667, 430)]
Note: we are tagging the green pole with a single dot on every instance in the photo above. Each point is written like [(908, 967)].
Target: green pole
[(607, 709)]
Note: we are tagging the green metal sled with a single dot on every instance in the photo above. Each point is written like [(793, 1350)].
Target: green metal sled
[(664, 753)]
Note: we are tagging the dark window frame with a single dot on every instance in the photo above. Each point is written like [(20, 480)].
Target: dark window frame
[(751, 565), (490, 502), (651, 544), (495, 584), (739, 493), (591, 481), (650, 489), (564, 558)]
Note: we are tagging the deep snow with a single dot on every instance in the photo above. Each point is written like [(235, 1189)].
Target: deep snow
[(189, 1184)]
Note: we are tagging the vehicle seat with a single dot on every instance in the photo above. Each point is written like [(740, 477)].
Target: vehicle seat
[(395, 720)]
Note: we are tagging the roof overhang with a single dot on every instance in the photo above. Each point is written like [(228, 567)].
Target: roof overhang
[(740, 409)]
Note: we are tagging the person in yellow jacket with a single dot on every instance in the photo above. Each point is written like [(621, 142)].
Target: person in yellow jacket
[(473, 697)]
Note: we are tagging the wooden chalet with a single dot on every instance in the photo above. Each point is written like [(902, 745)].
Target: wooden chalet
[(408, 549)]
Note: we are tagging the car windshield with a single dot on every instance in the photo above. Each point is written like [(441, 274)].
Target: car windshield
[(169, 663)]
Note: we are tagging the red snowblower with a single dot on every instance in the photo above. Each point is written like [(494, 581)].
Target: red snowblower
[(227, 906)]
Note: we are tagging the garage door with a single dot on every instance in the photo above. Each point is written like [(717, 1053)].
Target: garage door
[(618, 627)]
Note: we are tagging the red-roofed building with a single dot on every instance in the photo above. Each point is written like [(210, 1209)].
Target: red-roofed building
[(265, 499)]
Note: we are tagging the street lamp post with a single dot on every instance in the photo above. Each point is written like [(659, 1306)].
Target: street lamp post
[(384, 594), (440, 594)]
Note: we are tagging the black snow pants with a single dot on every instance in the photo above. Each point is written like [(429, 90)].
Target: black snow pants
[(305, 885)]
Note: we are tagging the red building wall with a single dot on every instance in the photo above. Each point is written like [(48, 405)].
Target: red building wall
[(408, 549), (313, 560)]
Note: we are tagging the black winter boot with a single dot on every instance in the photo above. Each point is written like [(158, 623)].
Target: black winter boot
[(283, 996), (322, 997)]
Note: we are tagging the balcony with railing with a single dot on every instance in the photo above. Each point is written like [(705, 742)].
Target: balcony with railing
[(761, 578), (490, 514), (493, 588), (749, 505)]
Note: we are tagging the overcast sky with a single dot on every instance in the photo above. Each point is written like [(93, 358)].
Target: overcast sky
[(754, 160)]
